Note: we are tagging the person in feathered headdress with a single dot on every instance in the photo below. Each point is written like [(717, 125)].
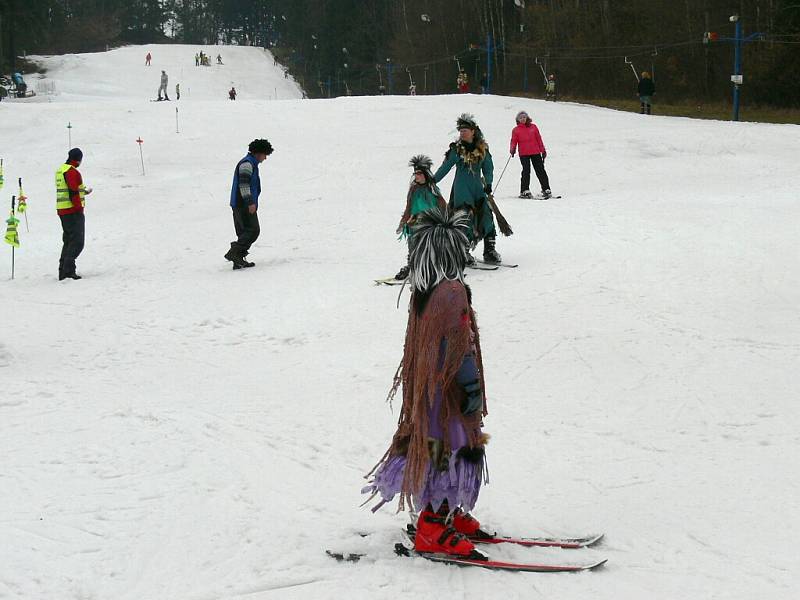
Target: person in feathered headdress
[(436, 461), (473, 182), (423, 194)]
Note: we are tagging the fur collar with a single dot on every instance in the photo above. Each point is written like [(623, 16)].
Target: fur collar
[(471, 154)]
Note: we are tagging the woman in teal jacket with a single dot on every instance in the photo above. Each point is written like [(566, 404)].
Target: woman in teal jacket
[(472, 183)]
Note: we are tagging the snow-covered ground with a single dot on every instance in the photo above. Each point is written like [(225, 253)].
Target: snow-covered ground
[(172, 429)]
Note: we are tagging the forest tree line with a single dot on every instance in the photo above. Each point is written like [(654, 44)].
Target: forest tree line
[(594, 48)]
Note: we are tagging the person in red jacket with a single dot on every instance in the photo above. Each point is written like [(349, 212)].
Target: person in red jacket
[(526, 136), (70, 194)]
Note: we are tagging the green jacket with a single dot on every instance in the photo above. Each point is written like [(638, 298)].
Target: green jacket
[(422, 199), (419, 199), (470, 163)]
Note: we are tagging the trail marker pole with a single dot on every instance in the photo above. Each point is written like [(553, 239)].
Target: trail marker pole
[(13, 198), (140, 141)]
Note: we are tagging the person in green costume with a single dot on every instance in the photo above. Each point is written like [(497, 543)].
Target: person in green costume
[(423, 194), (472, 183)]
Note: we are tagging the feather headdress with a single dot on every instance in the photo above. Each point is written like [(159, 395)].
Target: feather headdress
[(466, 120), (421, 162)]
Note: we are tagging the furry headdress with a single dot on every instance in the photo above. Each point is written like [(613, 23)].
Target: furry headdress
[(423, 163), (466, 120), (438, 251)]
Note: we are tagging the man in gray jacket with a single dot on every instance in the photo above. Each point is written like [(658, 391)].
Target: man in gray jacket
[(163, 86)]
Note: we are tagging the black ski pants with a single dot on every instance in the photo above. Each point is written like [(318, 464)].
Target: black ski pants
[(538, 167), (74, 227), (247, 230)]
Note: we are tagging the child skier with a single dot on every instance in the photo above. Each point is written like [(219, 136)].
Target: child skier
[(423, 194), (436, 459)]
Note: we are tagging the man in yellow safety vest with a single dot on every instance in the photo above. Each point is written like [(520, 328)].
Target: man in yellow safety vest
[(70, 194)]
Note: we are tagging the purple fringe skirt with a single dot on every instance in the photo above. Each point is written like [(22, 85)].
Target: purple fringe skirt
[(459, 485)]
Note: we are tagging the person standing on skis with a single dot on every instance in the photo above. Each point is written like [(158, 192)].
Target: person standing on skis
[(163, 86), (423, 194), (436, 460), (526, 136), (472, 183)]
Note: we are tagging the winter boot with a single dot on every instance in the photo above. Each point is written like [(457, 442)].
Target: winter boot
[(470, 259), (402, 274), (236, 258), (641, 112), (648, 109), (526, 194), (466, 524), (72, 275), (246, 262), (490, 255), (546, 194), (435, 535)]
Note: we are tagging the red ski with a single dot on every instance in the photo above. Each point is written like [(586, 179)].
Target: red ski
[(547, 542), (496, 565), (541, 541)]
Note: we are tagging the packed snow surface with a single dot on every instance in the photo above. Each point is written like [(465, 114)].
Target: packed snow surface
[(173, 429)]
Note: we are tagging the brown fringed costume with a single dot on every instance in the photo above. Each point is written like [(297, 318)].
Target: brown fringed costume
[(436, 454)]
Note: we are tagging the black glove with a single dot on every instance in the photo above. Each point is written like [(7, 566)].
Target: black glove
[(474, 399), (488, 188)]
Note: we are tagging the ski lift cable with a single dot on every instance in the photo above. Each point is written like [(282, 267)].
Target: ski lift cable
[(632, 46), (648, 52)]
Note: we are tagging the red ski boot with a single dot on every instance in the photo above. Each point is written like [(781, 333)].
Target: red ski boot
[(465, 524), (435, 535)]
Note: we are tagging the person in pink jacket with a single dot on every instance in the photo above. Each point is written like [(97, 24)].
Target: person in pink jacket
[(526, 136)]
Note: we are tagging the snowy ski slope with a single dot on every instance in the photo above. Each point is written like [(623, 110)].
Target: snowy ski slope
[(172, 429)]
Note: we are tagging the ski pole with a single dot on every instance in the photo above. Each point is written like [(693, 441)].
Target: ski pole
[(497, 185)]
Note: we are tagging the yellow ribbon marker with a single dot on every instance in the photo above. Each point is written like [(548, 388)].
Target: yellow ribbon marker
[(12, 237)]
